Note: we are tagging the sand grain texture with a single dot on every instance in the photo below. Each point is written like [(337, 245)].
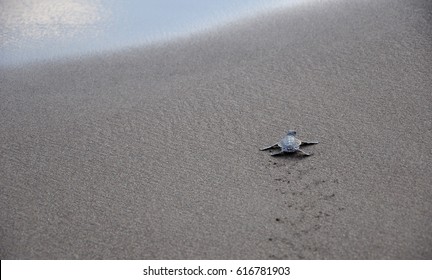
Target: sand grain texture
[(153, 153)]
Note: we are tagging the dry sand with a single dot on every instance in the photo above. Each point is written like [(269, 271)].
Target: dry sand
[(153, 153)]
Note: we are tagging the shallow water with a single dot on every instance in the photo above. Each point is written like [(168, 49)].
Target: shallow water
[(35, 30)]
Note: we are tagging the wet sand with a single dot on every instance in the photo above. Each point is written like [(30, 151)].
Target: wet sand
[(153, 153)]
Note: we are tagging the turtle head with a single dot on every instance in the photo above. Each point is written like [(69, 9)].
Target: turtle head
[(291, 133)]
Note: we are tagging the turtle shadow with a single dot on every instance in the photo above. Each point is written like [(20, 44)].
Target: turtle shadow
[(292, 155)]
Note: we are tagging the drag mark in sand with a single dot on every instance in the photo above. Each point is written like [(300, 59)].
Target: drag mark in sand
[(307, 206)]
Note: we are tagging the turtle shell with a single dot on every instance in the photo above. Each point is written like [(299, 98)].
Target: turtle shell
[(289, 144)]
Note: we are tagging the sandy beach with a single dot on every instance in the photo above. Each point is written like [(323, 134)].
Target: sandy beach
[(153, 152)]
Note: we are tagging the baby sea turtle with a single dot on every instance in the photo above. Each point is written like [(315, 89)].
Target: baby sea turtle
[(289, 144)]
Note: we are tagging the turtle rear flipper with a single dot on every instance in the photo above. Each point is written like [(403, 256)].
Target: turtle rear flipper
[(281, 153), (304, 153), (309, 142), (270, 147)]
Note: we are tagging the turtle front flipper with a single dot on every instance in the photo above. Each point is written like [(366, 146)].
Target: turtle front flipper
[(309, 142), (270, 147)]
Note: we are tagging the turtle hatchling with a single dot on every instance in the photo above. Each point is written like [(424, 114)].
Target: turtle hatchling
[(289, 144)]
